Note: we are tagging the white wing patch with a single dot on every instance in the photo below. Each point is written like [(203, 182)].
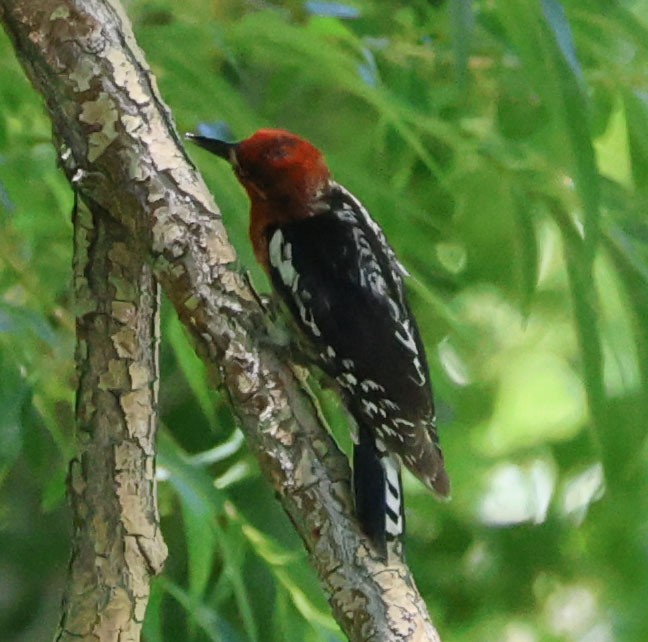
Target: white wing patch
[(281, 259)]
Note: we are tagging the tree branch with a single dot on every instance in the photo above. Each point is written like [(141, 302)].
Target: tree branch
[(123, 152), (117, 544)]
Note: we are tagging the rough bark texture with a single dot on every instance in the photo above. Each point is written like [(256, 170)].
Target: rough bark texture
[(123, 154), (117, 544)]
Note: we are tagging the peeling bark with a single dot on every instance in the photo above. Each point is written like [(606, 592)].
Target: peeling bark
[(117, 545), (123, 154)]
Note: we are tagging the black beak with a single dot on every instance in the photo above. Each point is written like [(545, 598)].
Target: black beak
[(219, 147)]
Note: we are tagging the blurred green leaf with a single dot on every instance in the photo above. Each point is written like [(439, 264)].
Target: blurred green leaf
[(557, 20), (153, 627), (215, 628), (527, 250), (462, 20), (192, 368), (636, 109), (14, 393), (202, 507)]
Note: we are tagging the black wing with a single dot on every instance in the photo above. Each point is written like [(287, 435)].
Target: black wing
[(343, 285)]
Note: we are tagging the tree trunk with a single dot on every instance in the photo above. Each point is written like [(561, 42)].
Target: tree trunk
[(117, 544)]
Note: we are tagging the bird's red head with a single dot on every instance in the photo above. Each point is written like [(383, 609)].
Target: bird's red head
[(283, 174), (275, 166), (278, 166)]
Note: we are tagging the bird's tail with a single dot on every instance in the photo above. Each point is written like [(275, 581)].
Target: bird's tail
[(378, 492)]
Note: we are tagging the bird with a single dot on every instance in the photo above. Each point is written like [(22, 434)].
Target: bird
[(340, 281)]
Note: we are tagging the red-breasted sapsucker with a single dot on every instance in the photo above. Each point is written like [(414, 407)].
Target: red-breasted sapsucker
[(332, 267)]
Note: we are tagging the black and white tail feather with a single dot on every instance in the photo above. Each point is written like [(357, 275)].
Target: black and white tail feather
[(343, 285), (378, 492)]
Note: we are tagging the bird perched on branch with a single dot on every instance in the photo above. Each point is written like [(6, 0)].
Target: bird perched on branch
[(332, 267)]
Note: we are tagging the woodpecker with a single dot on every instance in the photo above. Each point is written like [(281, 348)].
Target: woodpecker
[(333, 269)]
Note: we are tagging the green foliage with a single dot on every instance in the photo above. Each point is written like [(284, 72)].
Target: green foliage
[(503, 146)]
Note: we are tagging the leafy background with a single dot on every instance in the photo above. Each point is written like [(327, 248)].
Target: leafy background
[(503, 146)]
